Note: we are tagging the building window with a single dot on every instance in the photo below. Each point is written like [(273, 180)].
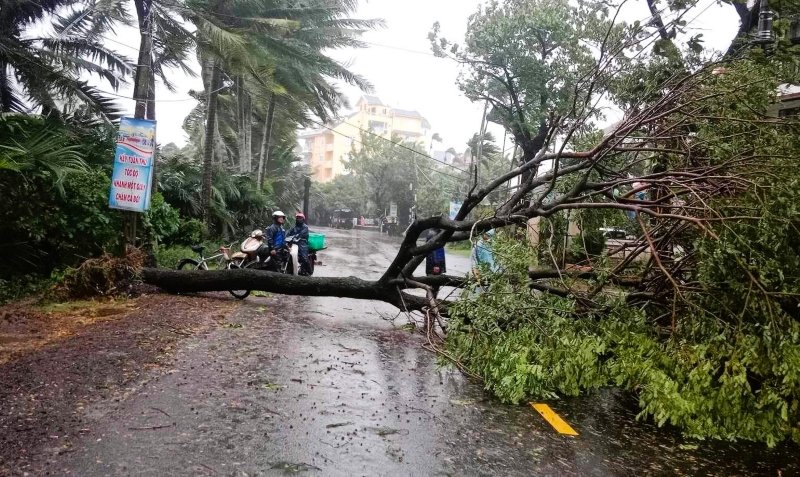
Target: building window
[(377, 126)]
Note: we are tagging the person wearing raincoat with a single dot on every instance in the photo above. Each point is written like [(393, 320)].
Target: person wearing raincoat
[(300, 230), (482, 256)]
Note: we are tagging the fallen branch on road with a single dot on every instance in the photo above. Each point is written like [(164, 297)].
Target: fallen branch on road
[(181, 281)]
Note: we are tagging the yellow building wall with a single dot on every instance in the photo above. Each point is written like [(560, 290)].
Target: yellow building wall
[(403, 123), (329, 148)]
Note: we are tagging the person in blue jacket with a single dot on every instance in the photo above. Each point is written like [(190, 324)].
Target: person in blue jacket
[(435, 263), (300, 230), (275, 237)]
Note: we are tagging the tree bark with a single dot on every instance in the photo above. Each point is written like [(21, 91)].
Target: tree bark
[(151, 115), (263, 159), (306, 194), (177, 281), (141, 94), (144, 68), (5, 92), (208, 145), (657, 21), (243, 128), (248, 131)]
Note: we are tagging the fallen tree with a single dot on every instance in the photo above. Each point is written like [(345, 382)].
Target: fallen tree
[(552, 180), (699, 317), (668, 162), (393, 292)]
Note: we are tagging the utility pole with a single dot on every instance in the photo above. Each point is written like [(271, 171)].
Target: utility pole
[(481, 133), (414, 192), (306, 193), (764, 35)]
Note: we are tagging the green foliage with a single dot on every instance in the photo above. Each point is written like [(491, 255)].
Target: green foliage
[(552, 245), (527, 56), (461, 245), (190, 232), (48, 69), (60, 210), (161, 220), (591, 241), (388, 171), (709, 379), (237, 203), (168, 256)]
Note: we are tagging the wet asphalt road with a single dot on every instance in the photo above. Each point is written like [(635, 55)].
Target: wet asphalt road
[(328, 386)]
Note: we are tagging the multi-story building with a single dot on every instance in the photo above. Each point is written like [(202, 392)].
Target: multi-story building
[(327, 149)]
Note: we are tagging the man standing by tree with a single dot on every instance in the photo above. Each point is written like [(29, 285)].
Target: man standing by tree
[(435, 260)]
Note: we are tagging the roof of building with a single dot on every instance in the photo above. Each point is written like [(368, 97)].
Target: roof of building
[(789, 97), (406, 113), (311, 133), (371, 100)]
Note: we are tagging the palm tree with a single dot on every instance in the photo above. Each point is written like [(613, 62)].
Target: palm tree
[(273, 53), (45, 72)]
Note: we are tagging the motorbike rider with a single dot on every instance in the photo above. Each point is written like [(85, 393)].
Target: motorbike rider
[(300, 230), (275, 236)]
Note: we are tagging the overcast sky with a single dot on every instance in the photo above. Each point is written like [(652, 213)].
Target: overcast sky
[(400, 66)]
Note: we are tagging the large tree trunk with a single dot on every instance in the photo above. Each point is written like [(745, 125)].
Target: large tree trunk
[(151, 115), (248, 132), (5, 84), (243, 128), (208, 145), (141, 94), (306, 194), (144, 68), (263, 157), (178, 281)]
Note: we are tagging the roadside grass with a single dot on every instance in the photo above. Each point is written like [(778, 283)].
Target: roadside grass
[(463, 248)]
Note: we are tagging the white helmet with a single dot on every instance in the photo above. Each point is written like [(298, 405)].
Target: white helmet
[(278, 213), (257, 233)]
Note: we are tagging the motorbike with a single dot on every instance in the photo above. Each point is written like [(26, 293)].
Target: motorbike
[(286, 260), (246, 257), (293, 248)]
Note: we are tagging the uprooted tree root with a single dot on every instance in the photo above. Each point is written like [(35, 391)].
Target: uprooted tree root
[(102, 276)]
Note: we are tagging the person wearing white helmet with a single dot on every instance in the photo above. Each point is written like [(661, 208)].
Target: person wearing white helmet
[(275, 235)]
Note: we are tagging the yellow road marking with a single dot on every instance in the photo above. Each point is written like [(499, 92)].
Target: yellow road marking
[(554, 419)]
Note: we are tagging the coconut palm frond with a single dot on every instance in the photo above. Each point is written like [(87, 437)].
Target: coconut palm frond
[(92, 19)]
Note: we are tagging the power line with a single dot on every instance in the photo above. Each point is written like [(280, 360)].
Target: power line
[(396, 144), (410, 149), (407, 50), (136, 49), (323, 125)]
